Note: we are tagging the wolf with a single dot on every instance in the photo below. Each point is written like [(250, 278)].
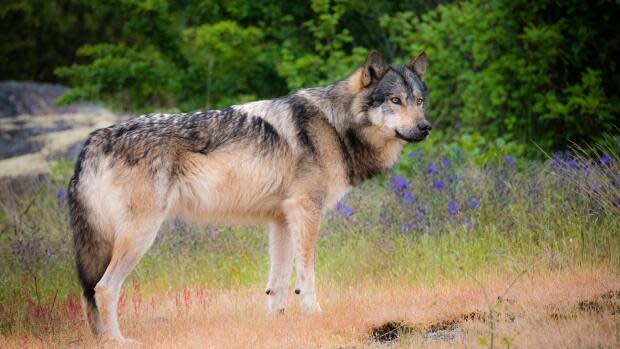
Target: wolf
[(282, 162)]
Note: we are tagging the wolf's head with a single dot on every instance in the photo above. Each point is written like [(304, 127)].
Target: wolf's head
[(392, 97)]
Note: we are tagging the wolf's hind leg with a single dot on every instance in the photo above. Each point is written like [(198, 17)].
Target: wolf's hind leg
[(281, 266), (129, 247)]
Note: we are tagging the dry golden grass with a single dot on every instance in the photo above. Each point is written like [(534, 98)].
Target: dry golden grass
[(543, 309)]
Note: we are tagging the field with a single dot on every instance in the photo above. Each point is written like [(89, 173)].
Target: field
[(500, 230), (447, 251)]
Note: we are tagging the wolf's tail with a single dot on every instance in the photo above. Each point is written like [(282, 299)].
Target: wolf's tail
[(92, 249)]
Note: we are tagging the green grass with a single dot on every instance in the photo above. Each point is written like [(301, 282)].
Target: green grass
[(511, 232), (411, 259)]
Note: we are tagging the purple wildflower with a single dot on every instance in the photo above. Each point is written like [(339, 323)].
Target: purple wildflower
[(178, 223), (572, 164), (432, 169), (439, 184), (409, 198), (445, 162), (604, 160), (60, 194), (473, 203), (344, 209), (406, 227), (616, 202), (594, 187), (556, 162), (384, 217), (399, 184), (453, 208), (467, 224), (511, 161), (414, 154)]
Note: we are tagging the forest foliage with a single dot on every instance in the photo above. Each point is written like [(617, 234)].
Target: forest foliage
[(515, 73)]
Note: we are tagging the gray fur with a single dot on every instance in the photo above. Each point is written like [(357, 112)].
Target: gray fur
[(315, 143)]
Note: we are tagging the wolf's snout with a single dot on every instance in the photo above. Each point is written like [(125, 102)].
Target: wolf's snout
[(416, 133), (424, 126)]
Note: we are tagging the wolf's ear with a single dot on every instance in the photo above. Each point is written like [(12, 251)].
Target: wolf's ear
[(373, 69), (418, 64)]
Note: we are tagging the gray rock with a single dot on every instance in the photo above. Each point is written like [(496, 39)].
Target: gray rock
[(34, 98)]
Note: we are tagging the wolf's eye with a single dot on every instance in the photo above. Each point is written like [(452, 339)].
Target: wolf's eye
[(419, 101), (395, 100)]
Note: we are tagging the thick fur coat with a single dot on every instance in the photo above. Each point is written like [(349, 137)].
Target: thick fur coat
[(282, 162)]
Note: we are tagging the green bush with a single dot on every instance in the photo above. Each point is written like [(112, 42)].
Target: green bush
[(521, 71), (119, 75), (529, 74)]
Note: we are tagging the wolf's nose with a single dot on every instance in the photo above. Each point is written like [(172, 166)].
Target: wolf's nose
[(424, 126)]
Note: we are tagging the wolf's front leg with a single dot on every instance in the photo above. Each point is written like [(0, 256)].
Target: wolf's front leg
[(281, 265), (304, 225)]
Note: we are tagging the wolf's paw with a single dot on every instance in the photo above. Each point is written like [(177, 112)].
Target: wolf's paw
[(276, 312), (272, 310), (131, 342), (276, 301), (310, 305), (125, 342)]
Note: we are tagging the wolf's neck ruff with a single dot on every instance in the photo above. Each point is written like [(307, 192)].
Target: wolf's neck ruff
[(364, 153)]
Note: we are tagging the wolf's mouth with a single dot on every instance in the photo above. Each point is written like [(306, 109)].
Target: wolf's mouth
[(417, 137)]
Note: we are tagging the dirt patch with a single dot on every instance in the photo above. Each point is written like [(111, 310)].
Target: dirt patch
[(448, 329), (606, 303), (390, 331), (444, 330)]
